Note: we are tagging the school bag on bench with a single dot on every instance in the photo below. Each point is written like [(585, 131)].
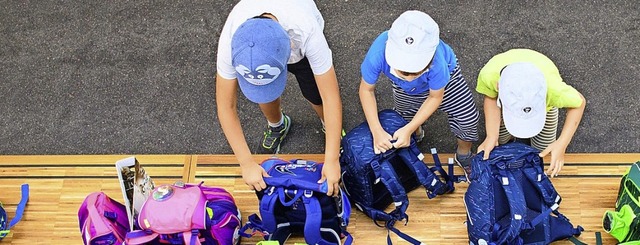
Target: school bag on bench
[(294, 203), (102, 220), (624, 223), (373, 182), (4, 227), (187, 214), (510, 200)]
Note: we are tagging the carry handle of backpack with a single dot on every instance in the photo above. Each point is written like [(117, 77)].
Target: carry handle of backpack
[(21, 205)]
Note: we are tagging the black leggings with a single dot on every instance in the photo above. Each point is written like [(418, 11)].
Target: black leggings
[(306, 80)]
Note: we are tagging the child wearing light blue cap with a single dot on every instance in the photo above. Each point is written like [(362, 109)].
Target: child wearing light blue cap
[(260, 42)]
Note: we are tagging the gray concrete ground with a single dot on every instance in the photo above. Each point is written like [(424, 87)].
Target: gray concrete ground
[(137, 77)]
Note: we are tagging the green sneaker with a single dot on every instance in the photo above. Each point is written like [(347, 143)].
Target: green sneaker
[(274, 136)]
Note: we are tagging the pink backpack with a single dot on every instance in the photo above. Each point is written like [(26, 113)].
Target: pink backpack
[(187, 214), (102, 220)]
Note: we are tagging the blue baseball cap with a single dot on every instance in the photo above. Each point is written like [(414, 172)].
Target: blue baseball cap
[(260, 49)]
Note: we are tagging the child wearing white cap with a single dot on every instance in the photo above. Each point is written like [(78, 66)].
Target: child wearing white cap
[(425, 76), (260, 41), (522, 92)]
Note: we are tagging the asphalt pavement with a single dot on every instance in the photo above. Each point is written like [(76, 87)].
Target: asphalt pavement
[(138, 77)]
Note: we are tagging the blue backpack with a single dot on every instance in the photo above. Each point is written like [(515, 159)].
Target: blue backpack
[(4, 228), (511, 200), (373, 181), (294, 203)]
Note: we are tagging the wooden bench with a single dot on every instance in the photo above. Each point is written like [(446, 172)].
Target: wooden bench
[(59, 184)]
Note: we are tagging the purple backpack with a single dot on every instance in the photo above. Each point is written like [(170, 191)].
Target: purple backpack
[(187, 214), (102, 220)]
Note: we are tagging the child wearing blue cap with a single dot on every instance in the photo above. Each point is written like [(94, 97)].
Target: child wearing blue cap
[(260, 42), (425, 77), (522, 91)]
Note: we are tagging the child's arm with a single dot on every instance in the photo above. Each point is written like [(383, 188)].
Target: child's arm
[(381, 139), (428, 107), (492, 117), (332, 109), (559, 147), (226, 103)]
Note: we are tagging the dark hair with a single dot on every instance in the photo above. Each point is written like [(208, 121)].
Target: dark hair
[(260, 17), (404, 73), (264, 15)]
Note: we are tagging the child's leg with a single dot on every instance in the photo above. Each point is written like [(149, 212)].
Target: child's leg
[(272, 111), (307, 82), (504, 136), (461, 110), (549, 131)]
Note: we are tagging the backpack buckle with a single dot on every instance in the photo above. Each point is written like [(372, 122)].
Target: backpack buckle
[(270, 191), (308, 193)]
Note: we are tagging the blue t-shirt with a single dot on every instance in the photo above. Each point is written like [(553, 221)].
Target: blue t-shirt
[(437, 76)]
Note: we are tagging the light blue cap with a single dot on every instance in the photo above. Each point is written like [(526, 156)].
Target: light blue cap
[(260, 49)]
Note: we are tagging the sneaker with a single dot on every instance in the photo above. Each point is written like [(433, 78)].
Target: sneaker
[(274, 136), (464, 161)]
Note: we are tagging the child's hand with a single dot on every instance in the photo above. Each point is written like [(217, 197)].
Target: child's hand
[(557, 151), (331, 174), (402, 137), (381, 141), (487, 146), (253, 175)]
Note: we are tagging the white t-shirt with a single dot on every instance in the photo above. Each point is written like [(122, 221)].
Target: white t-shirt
[(301, 19)]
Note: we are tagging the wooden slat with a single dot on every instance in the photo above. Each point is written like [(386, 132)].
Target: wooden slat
[(26, 160), (66, 167)]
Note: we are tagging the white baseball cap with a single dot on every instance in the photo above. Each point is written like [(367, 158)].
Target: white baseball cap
[(522, 93), (413, 39)]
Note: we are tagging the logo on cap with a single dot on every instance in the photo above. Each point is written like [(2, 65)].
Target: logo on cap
[(409, 40), (527, 109), (263, 74)]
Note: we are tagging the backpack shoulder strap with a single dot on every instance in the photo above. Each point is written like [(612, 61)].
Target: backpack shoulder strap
[(400, 200), (312, 226), (412, 157), (267, 206), (540, 181), (517, 207)]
